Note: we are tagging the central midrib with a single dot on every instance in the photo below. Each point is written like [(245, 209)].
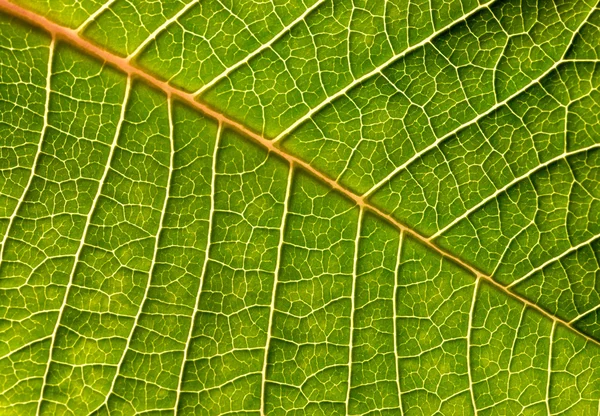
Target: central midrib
[(124, 65)]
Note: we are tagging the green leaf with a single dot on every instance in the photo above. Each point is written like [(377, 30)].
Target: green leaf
[(286, 207)]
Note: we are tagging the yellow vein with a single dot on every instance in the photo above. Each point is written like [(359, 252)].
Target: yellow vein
[(23, 347), (124, 65), (581, 315), (464, 126)]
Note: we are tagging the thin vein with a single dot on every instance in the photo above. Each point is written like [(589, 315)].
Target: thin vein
[(83, 238), (348, 36), (274, 292), (457, 130), (385, 25), (514, 343), (124, 65), (204, 266)]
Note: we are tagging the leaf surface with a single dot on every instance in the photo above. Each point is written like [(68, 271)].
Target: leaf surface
[(299, 207)]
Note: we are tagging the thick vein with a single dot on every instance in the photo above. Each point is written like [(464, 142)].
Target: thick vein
[(124, 65), (83, 238), (376, 71), (204, 266), (274, 292), (154, 254), (38, 151), (395, 315), (352, 307), (260, 49)]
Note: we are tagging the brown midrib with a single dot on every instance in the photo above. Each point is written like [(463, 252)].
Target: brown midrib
[(126, 66)]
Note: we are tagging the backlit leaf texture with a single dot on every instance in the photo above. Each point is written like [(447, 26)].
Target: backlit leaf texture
[(299, 207)]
